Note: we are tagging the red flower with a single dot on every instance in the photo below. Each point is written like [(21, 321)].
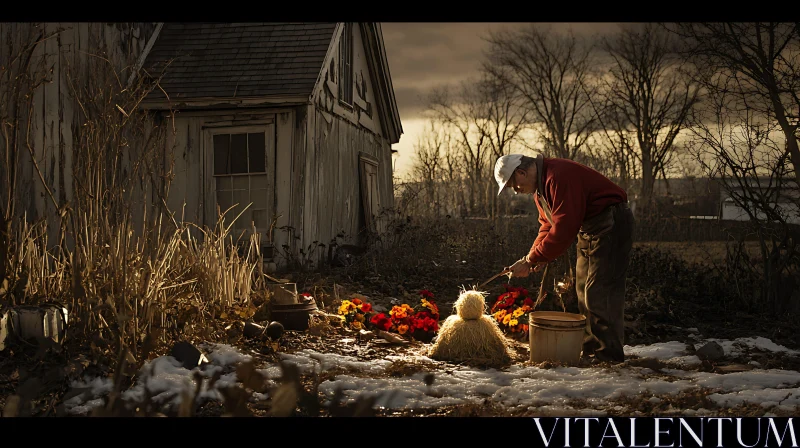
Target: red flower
[(425, 314), (424, 321), (381, 321), (427, 294), (366, 307), (522, 292), (500, 303), (428, 324), (527, 302)]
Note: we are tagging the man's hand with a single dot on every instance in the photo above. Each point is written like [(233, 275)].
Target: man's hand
[(520, 269)]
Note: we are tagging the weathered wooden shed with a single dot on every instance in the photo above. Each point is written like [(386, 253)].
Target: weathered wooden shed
[(295, 119)]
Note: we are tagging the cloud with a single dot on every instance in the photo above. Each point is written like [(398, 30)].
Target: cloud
[(425, 55), (410, 101)]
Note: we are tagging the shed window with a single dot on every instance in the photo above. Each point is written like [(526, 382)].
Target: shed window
[(346, 65), (239, 153)]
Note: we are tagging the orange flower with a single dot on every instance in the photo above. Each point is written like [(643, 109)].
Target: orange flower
[(357, 301), (402, 329), (399, 312), (359, 317)]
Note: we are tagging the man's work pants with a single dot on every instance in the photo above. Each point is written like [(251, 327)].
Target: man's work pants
[(604, 247)]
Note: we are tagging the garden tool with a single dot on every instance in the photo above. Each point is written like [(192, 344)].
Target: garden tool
[(505, 272)]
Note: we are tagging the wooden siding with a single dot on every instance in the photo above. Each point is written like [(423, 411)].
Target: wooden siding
[(332, 187), (192, 193), (55, 113)]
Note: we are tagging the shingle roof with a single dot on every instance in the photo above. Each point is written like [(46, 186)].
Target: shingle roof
[(238, 59)]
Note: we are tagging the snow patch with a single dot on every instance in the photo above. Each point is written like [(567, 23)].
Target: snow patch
[(165, 379), (519, 388), (659, 350)]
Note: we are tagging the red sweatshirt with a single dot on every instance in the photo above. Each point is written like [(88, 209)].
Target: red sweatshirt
[(574, 193)]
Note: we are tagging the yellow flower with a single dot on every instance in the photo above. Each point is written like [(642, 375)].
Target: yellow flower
[(402, 329), (518, 312), (426, 304), (499, 315), (506, 319), (513, 322), (345, 307)]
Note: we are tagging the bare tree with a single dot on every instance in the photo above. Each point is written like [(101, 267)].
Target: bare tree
[(650, 95), (463, 114), (506, 117), (452, 175), (612, 149), (758, 62), (427, 163), (549, 71), (743, 149)]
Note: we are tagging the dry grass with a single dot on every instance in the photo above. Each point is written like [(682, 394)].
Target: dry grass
[(121, 262)]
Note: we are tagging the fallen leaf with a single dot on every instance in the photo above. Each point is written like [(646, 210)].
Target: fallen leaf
[(366, 335), (250, 377), (284, 400), (394, 339)]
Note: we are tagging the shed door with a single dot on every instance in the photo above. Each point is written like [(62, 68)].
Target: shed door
[(370, 192), (243, 163)]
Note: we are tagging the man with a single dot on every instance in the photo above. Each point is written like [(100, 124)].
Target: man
[(574, 199)]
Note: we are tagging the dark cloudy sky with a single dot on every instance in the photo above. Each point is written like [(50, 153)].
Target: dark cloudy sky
[(425, 55)]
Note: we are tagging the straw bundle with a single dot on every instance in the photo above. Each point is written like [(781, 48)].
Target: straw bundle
[(470, 336)]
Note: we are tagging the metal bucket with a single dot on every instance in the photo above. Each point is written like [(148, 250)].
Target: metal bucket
[(556, 336), (283, 293)]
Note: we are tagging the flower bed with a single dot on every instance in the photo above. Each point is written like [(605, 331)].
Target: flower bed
[(420, 322), (511, 311)]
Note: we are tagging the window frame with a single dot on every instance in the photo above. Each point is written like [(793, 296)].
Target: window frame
[(257, 129)]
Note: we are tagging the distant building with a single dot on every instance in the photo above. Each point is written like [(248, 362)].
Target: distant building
[(785, 199)]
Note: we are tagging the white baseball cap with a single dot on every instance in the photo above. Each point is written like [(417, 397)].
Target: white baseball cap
[(504, 169)]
